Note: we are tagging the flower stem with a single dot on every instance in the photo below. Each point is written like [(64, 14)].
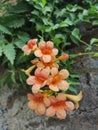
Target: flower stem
[(81, 54)]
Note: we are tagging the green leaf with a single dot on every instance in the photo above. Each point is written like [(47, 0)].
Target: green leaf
[(9, 52), (0, 51), (5, 30), (95, 22), (75, 82), (76, 33), (75, 40), (63, 24), (93, 40), (73, 89), (23, 36), (19, 43), (20, 7), (44, 2), (16, 23), (73, 8), (74, 75), (3, 78), (96, 55)]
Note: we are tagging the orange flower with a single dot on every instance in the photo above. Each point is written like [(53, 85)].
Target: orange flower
[(31, 45), (45, 51), (63, 57), (56, 80), (39, 80), (41, 64), (59, 106), (38, 102)]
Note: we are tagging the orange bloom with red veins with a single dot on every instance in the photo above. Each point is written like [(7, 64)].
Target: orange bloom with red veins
[(46, 51), (56, 80), (59, 106), (31, 45), (38, 102), (39, 80), (41, 64)]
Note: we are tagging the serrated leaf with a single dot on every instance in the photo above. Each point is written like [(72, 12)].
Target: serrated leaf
[(9, 52), (16, 23), (5, 30), (20, 7)]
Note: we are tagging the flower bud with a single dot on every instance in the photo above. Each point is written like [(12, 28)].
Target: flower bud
[(63, 57)]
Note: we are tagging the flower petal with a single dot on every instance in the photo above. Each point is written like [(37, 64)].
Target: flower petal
[(42, 44), (32, 105), (46, 101), (30, 96), (69, 106), (40, 109), (26, 49), (54, 71), (31, 80), (55, 65), (50, 112), (53, 87), (61, 114), (49, 44), (38, 53), (37, 72), (64, 73), (32, 42), (46, 58), (45, 72), (63, 85), (54, 51), (40, 65), (61, 96), (52, 99), (36, 88)]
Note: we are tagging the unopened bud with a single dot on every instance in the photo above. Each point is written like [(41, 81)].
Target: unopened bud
[(63, 57)]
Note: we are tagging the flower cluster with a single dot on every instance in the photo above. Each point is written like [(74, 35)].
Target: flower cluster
[(49, 83)]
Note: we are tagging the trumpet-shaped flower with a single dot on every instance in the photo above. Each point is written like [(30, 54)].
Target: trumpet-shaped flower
[(41, 64), (59, 106), (31, 45), (45, 51), (38, 102), (39, 80), (56, 80), (75, 98)]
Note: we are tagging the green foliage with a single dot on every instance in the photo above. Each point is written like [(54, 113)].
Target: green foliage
[(4, 30), (9, 52), (45, 19)]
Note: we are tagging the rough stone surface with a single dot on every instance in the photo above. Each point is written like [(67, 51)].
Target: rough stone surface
[(15, 115)]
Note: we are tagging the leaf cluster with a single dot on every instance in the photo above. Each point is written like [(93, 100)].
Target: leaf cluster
[(49, 20)]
